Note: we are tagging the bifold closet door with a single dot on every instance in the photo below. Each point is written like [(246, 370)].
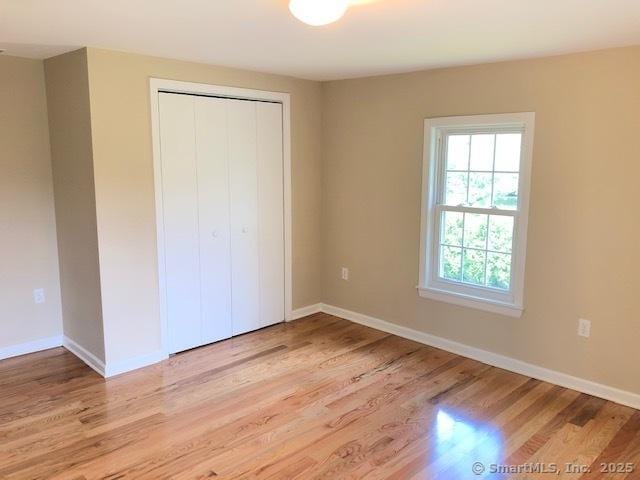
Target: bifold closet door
[(196, 220), (270, 212), (245, 260), (214, 226), (257, 222), (222, 191), (181, 237)]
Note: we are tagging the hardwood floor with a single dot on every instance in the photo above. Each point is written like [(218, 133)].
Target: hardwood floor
[(320, 398)]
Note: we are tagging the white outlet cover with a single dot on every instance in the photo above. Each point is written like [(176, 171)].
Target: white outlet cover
[(584, 328), (38, 295), (345, 273)]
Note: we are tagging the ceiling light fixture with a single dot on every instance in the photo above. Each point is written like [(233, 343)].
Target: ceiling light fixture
[(318, 12)]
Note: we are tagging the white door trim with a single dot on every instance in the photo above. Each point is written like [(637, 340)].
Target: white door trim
[(156, 86)]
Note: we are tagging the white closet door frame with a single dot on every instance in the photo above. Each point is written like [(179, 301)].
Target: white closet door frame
[(156, 86)]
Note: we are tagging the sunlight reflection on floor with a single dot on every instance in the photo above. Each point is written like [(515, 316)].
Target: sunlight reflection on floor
[(460, 442)]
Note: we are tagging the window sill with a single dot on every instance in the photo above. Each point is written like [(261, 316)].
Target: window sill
[(471, 302)]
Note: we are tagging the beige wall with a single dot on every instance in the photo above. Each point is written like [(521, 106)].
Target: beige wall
[(121, 127), (29, 257), (71, 152), (583, 258), (357, 153)]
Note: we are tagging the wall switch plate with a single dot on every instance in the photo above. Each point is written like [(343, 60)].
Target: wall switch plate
[(345, 273), (584, 328), (38, 295)]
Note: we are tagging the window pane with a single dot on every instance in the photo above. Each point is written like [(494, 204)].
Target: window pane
[(499, 270), (452, 228), (475, 230), (500, 233), (473, 266), (451, 263), (482, 152), (508, 152), (458, 152), (456, 188), (480, 189), (505, 191)]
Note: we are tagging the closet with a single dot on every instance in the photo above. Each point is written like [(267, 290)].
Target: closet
[(222, 198)]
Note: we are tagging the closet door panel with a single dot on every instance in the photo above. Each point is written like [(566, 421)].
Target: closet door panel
[(180, 202), (244, 216), (214, 231), (270, 212)]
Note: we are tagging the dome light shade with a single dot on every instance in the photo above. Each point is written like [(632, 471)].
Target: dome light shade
[(318, 12)]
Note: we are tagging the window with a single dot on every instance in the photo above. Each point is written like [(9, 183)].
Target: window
[(474, 210)]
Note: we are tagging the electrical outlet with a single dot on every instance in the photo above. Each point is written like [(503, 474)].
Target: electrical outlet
[(38, 295), (584, 328), (345, 273)]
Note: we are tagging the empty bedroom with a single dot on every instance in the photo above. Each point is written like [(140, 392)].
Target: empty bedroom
[(319, 239)]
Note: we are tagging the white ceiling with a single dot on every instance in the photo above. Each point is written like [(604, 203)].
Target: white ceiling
[(374, 37)]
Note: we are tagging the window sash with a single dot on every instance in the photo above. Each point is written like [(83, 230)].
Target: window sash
[(441, 154), (436, 253)]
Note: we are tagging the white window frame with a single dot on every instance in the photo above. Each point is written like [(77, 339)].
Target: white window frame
[(431, 286)]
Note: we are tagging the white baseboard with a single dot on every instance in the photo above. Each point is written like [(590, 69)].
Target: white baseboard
[(85, 355), (30, 347), (304, 312), (111, 369), (116, 368), (606, 392)]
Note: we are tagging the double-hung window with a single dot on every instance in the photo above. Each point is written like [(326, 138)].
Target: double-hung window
[(475, 206)]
